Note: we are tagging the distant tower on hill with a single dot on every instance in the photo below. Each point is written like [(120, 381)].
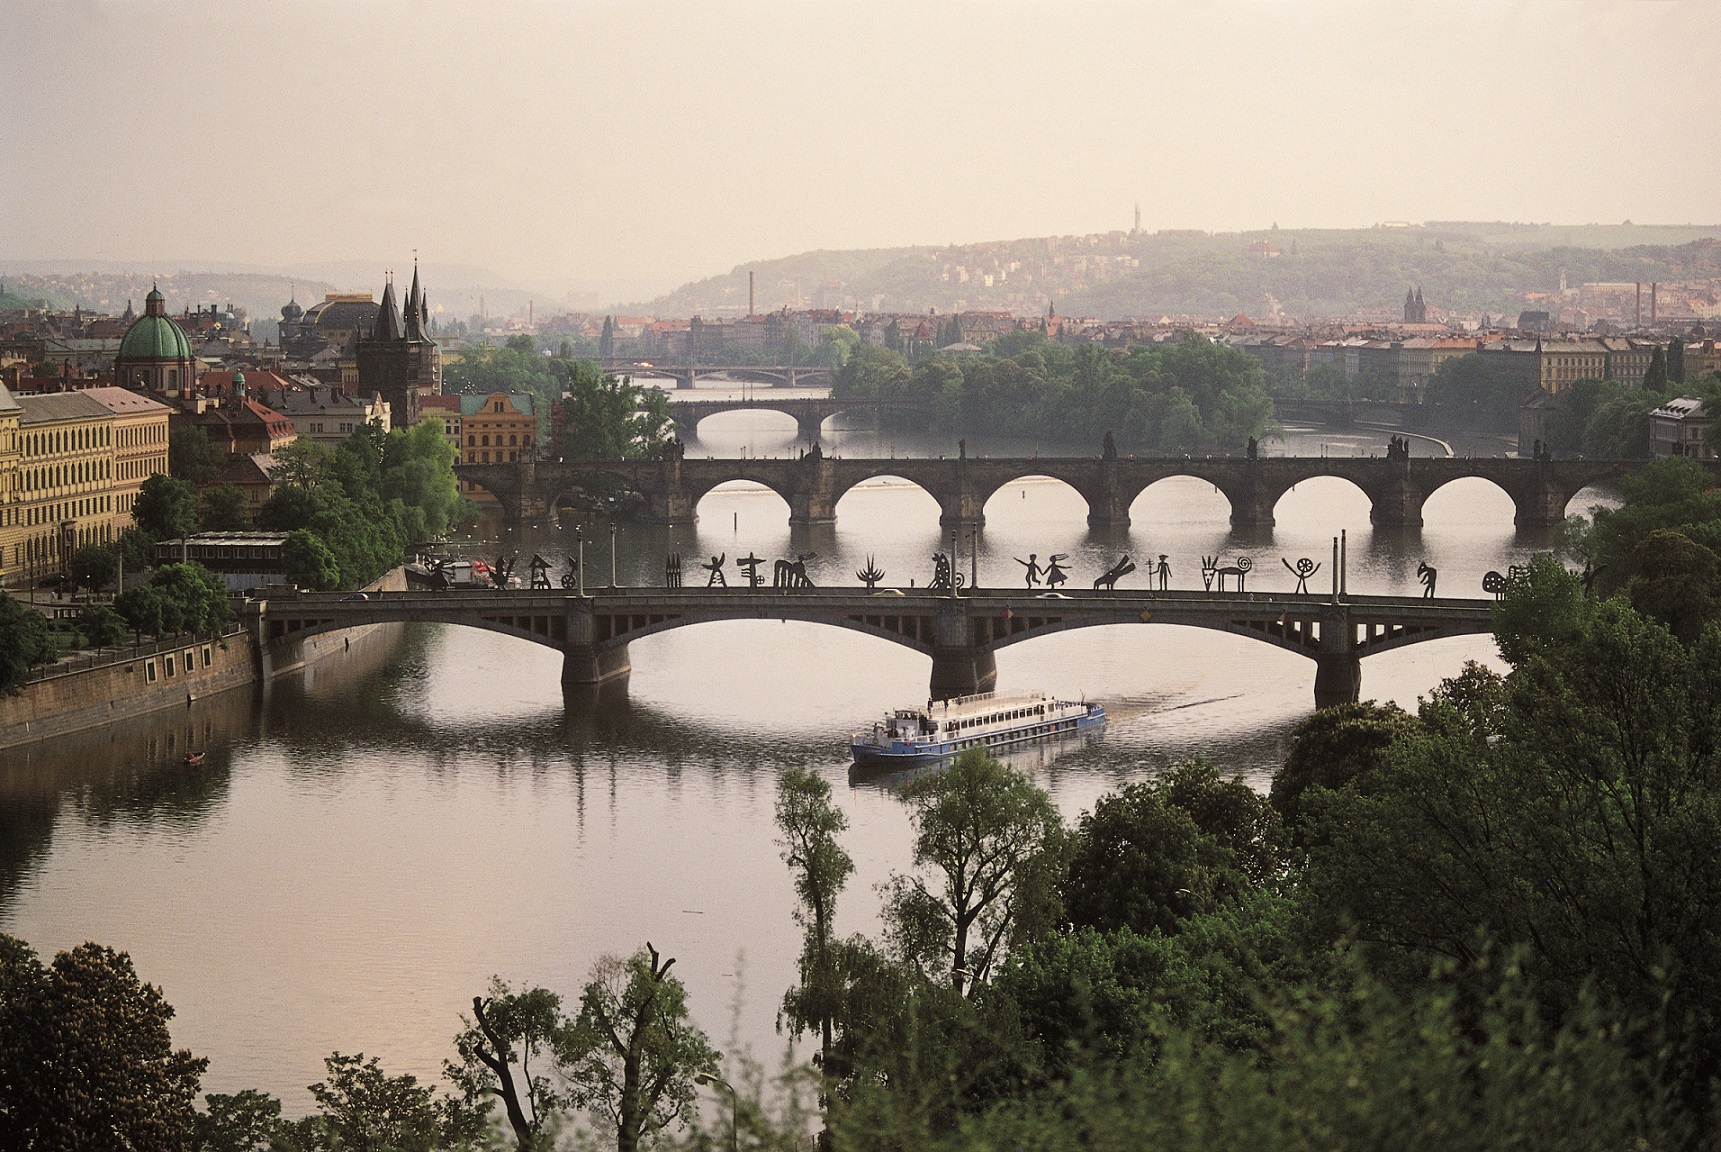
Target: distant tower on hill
[(1415, 311), (1138, 218)]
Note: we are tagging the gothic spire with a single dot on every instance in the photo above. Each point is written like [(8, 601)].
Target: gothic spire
[(388, 325), (414, 308)]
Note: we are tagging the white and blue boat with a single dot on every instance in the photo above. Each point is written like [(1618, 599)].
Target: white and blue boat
[(948, 727)]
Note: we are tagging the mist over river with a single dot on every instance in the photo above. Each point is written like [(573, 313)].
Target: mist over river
[(368, 843)]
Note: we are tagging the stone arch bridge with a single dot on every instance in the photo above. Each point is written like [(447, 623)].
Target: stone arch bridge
[(810, 413), (1396, 486), (685, 375), (961, 634)]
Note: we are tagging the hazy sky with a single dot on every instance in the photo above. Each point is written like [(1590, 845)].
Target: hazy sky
[(652, 143)]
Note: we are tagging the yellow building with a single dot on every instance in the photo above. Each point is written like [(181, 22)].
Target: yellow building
[(501, 428), (65, 478), (11, 531), (139, 445)]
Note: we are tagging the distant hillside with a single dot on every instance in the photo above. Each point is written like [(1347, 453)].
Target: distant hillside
[(1461, 267)]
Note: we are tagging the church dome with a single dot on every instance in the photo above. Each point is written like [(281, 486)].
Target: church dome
[(155, 335), (290, 311)]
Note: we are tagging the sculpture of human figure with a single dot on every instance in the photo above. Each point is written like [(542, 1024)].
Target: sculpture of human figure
[(1163, 570), (716, 569), (1032, 564), (1428, 576), (1055, 574), (1304, 569)]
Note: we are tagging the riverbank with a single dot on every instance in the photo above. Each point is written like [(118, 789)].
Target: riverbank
[(172, 673)]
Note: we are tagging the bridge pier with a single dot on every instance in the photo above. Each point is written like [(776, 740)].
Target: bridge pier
[(1338, 668), (810, 427), (584, 663), (1108, 509), (963, 508), (1540, 505), (807, 508), (1399, 506), (671, 507), (960, 667)]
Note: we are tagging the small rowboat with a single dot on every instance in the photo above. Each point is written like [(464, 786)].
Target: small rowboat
[(193, 759)]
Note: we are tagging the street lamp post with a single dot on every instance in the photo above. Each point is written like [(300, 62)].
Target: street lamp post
[(612, 555), (734, 1106)]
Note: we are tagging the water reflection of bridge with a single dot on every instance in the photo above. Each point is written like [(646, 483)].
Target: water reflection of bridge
[(1396, 485), (960, 634)]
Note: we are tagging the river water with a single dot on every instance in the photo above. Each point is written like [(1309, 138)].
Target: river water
[(367, 844)]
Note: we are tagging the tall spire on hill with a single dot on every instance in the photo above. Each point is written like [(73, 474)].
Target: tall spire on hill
[(414, 308)]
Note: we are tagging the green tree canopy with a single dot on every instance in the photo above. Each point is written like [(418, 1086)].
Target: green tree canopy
[(94, 566), (86, 1061), (193, 457), (223, 508), (25, 641), (166, 508)]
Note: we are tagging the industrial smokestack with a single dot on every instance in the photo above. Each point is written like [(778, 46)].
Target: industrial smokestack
[(1653, 285), (749, 293), (1638, 321)]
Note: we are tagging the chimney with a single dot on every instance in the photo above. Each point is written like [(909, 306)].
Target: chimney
[(1653, 285), (1638, 322), (749, 293)]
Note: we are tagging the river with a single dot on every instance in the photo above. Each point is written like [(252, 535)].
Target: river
[(365, 846)]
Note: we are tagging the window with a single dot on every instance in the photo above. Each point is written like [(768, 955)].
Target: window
[(190, 661), (149, 671), (207, 653), (167, 662), (486, 441), (513, 440)]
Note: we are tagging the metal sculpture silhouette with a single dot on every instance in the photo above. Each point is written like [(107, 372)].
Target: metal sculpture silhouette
[(540, 573), (672, 570), (1302, 571), (716, 569), (1428, 576), (571, 578), (501, 570), (792, 575), (1109, 578), (870, 575), (943, 579), (1163, 571), (1055, 574), (1032, 564), (1211, 569), (749, 564), (1495, 585)]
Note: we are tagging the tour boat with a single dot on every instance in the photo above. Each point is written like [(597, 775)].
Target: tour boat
[(943, 729)]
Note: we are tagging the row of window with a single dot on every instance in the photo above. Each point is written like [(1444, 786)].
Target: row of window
[(514, 441), (66, 440), (54, 513), (139, 435), (45, 548), (484, 458), (171, 666), (61, 475)]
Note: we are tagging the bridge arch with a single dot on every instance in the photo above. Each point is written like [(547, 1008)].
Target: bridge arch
[(1335, 496), (1030, 493), (885, 625), (1207, 501), (751, 493), (915, 502), (1470, 499), (1603, 494)]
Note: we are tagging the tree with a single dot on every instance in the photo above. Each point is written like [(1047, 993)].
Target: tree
[(1676, 360), (224, 509), (511, 1029), (365, 1110), (94, 565), (166, 508), (245, 1121), (135, 550), (193, 457), (178, 598), (307, 562), (606, 418), (632, 1054), (809, 822), (25, 641), (1332, 748), (1157, 853), (102, 626), (86, 1061), (1655, 379), (983, 838)]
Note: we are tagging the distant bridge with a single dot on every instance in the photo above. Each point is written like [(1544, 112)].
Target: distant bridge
[(810, 413), (684, 375), (1397, 485), (960, 633)]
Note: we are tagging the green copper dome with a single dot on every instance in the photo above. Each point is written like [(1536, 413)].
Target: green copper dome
[(154, 335)]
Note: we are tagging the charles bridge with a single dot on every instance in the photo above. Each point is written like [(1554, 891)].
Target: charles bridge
[(1396, 484), (961, 633)]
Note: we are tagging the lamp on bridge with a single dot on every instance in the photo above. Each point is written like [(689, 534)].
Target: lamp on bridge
[(580, 560), (612, 555)]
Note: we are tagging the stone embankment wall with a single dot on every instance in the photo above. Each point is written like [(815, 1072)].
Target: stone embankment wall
[(148, 681)]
